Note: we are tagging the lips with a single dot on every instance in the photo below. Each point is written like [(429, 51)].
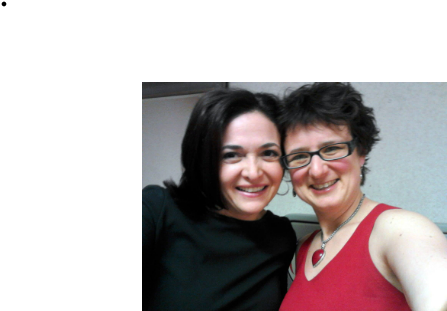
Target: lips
[(325, 185), (251, 189)]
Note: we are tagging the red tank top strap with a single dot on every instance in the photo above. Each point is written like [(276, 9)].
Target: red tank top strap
[(368, 223)]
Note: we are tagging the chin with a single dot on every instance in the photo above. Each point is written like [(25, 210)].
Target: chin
[(252, 210)]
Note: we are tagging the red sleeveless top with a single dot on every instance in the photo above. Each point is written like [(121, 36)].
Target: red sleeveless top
[(350, 281)]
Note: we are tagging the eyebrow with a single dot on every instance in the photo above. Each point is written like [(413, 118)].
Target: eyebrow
[(235, 147)]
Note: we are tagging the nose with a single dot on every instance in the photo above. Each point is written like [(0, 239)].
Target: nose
[(252, 168), (317, 166)]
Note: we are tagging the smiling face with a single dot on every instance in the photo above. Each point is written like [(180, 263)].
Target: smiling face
[(324, 184), (250, 171)]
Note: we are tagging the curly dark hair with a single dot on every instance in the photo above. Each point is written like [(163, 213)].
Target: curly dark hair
[(332, 104), (199, 187)]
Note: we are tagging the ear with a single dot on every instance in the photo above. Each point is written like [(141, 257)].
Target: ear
[(362, 160)]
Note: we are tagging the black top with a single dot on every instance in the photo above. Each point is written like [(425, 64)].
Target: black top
[(215, 263)]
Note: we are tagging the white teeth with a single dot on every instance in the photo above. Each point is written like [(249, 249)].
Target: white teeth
[(251, 189), (328, 184)]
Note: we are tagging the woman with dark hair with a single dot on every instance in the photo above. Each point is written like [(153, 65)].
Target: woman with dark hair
[(367, 255), (208, 243)]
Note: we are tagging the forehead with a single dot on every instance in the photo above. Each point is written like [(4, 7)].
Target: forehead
[(251, 125), (314, 136)]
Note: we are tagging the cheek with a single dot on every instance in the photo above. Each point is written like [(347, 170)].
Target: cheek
[(276, 172), (225, 176), (341, 166), (349, 166), (297, 177)]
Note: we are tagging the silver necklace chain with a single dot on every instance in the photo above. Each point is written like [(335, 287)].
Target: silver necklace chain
[(339, 227)]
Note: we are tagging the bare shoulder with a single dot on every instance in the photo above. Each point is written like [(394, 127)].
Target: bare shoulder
[(402, 223)]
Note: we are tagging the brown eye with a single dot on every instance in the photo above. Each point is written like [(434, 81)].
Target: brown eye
[(270, 155), (231, 157)]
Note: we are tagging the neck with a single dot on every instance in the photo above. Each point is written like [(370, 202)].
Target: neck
[(330, 220), (241, 216)]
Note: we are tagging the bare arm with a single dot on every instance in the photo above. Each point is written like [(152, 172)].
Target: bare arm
[(415, 250)]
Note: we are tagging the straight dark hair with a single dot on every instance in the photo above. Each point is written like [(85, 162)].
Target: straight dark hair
[(199, 186)]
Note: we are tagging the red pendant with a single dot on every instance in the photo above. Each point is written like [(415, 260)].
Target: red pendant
[(317, 257)]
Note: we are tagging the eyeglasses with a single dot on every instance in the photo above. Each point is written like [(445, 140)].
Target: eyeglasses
[(327, 153)]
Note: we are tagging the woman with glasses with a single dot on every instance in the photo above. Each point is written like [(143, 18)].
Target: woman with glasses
[(367, 255), (208, 242)]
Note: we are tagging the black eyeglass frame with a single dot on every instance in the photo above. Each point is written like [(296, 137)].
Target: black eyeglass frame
[(351, 146)]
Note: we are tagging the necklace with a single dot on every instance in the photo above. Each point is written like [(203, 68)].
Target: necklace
[(318, 255)]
